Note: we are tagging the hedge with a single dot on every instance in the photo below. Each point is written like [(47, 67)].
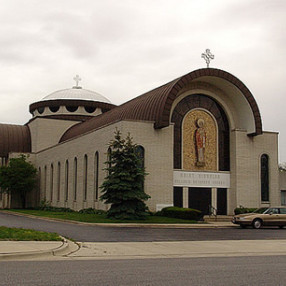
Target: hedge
[(182, 213), (243, 210)]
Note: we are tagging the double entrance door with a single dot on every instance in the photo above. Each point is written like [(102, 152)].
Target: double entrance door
[(201, 199)]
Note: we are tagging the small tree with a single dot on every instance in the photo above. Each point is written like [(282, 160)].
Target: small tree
[(123, 186), (18, 177)]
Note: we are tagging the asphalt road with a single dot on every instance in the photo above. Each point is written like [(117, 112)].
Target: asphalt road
[(262, 270), (86, 233)]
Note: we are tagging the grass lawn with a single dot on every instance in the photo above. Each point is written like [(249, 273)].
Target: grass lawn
[(96, 218), (7, 233)]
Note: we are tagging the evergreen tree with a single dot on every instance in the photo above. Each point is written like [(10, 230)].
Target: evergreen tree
[(123, 186), (18, 177)]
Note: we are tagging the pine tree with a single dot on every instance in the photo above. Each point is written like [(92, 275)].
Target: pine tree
[(123, 186)]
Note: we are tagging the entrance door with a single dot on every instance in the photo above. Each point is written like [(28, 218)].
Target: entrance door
[(200, 199), (221, 201)]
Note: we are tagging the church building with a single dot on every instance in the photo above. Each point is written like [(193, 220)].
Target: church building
[(200, 136)]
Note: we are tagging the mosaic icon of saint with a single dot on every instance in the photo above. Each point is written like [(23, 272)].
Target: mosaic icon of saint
[(200, 141)]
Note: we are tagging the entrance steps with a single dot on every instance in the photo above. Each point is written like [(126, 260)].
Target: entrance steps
[(219, 218)]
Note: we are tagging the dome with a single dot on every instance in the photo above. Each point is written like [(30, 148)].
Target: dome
[(76, 93)]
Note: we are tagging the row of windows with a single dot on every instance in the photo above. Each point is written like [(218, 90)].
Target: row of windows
[(58, 171), (70, 108)]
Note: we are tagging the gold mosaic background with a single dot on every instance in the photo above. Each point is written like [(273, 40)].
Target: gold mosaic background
[(189, 149)]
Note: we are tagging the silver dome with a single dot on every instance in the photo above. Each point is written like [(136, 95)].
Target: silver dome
[(76, 93)]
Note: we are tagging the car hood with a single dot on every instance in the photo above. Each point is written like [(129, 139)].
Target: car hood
[(245, 215)]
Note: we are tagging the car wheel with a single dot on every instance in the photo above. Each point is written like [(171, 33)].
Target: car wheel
[(281, 226), (257, 223)]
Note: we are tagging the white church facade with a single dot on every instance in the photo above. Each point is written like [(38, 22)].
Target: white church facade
[(201, 138)]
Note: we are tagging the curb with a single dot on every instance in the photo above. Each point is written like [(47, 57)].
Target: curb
[(149, 225), (67, 247)]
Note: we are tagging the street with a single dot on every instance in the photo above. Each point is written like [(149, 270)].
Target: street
[(268, 270), (87, 233), (219, 267)]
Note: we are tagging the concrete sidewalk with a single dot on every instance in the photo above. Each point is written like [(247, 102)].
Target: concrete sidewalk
[(35, 250), (14, 250), (179, 249)]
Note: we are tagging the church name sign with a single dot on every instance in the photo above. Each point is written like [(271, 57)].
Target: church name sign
[(201, 179)]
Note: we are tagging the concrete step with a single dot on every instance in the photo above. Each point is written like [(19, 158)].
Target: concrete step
[(222, 218)]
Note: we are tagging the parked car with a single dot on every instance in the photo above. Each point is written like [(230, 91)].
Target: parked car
[(274, 216)]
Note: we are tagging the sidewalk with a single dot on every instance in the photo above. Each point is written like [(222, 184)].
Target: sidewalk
[(35, 250), (14, 250)]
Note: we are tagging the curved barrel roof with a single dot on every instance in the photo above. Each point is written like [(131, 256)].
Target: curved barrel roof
[(14, 138), (156, 104)]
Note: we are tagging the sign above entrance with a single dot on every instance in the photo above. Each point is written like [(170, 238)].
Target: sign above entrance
[(201, 179)]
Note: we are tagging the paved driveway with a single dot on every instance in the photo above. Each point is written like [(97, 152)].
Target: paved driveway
[(87, 233)]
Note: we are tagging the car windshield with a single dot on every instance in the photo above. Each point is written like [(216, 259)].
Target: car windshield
[(260, 210)]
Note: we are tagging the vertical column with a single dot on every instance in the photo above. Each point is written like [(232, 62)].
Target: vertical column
[(185, 197), (214, 197)]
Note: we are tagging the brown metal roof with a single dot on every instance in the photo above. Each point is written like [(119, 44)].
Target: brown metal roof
[(156, 104), (14, 138)]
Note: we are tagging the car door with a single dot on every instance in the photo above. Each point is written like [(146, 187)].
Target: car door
[(271, 217), (282, 216)]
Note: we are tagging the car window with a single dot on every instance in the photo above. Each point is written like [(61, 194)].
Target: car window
[(272, 211), (283, 210), (260, 210)]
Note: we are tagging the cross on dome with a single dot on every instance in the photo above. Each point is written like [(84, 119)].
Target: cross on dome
[(77, 79)]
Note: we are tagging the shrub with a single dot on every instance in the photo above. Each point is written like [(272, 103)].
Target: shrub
[(46, 206), (182, 213), (92, 211), (243, 210)]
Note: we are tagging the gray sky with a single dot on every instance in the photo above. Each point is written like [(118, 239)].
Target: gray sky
[(124, 48)]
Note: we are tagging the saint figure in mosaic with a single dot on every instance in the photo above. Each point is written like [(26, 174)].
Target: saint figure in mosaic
[(200, 141)]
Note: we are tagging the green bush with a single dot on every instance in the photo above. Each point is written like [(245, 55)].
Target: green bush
[(243, 210), (91, 211), (182, 213), (46, 206)]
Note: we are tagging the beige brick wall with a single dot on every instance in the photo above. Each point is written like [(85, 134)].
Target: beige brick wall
[(47, 132), (158, 146), (244, 160), (245, 168), (282, 180)]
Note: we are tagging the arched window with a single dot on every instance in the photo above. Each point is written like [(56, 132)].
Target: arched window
[(264, 166), (51, 181), (59, 181), (39, 184), (109, 158), (96, 159), (85, 165), (67, 180), (71, 108), (140, 152), (45, 183), (75, 179)]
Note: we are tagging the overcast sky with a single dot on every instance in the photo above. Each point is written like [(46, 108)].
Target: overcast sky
[(124, 48)]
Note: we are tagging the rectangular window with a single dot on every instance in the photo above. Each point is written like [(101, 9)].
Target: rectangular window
[(178, 197), (283, 198)]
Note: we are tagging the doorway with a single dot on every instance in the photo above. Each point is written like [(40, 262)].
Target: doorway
[(200, 199), (221, 201)]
